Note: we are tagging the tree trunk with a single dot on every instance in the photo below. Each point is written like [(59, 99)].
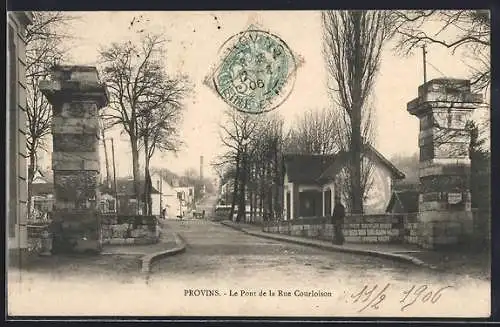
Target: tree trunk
[(277, 183), (106, 159), (269, 193), (31, 176), (135, 168), (242, 191), (145, 193), (235, 187), (356, 139)]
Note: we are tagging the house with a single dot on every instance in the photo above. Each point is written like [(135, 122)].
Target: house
[(185, 196), (42, 177), (17, 171), (403, 202), (127, 202), (226, 192), (42, 199), (311, 183), (168, 196)]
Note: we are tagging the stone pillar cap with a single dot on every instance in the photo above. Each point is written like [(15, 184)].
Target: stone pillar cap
[(69, 81), (445, 90)]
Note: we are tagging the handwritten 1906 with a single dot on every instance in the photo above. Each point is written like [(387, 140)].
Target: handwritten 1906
[(373, 296)]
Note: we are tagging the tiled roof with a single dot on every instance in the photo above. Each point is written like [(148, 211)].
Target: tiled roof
[(126, 187), (42, 188), (407, 199), (304, 168), (341, 158)]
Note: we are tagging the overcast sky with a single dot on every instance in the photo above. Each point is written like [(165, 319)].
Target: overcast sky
[(195, 38)]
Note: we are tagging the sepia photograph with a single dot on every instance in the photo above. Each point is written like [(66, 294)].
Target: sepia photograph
[(293, 163)]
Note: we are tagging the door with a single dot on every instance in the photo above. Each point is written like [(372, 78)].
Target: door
[(328, 203), (288, 214)]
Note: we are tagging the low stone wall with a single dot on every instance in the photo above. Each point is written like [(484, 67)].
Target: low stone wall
[(35, 237), (221, 214), (410, 228), (357, 228), (121, 229)]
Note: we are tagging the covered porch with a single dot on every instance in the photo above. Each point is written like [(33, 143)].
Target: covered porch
[(308, 200)]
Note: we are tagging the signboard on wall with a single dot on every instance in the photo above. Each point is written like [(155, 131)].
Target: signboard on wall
[(454, 198)]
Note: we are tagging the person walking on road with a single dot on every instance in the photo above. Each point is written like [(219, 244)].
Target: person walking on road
[(337, 221)]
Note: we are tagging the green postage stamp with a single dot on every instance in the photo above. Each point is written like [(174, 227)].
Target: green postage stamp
[(257, 71)]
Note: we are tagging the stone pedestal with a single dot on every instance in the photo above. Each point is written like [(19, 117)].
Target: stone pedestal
[(443, 107), (76, 95)]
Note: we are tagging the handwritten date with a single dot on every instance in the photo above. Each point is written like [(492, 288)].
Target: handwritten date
[(422, 293), (373, 296)]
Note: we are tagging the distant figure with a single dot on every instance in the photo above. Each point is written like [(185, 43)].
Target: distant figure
[(203, 214), (337, 221), (164, 213)]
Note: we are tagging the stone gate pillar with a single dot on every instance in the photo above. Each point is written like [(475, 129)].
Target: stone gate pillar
[(443, 107), (76, 95)]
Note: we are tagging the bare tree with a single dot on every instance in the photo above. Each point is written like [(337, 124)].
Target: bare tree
[(352, 46), (315, 132), (44, 50), (132, 73), (458, 30), (235, 137), (158, 122)]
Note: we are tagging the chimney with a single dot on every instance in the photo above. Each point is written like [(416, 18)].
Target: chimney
[(201, 167)]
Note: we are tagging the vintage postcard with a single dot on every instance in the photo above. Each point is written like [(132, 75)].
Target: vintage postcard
[(249, 163)]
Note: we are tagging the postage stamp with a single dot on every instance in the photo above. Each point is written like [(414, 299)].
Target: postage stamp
[(257, 72)]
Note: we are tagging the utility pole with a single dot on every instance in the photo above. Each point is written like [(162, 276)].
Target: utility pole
[(424, 52), (114, 173), (161, 192)]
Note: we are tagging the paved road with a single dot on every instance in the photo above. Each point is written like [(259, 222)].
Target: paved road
[(221, 258)]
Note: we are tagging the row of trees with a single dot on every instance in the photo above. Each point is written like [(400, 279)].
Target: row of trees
[(353, 42)]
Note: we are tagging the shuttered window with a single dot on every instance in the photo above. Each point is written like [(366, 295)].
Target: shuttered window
[(12, 128)]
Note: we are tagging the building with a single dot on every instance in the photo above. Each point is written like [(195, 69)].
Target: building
[(311, 183), (403, 202), (185, 197), (168, 196), (17, 170), (42, 200), (127, 202)]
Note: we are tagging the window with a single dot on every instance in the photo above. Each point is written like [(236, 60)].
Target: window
[(12, 127)]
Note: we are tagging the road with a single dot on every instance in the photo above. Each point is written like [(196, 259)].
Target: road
[(224, 272), (223, 259)]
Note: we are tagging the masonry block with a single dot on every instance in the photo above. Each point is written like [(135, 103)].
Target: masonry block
[(76, 95), (383, 239), (353, 239)]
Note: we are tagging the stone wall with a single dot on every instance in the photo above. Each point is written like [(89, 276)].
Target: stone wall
[(356, 228), (410, 228), (130, 229)]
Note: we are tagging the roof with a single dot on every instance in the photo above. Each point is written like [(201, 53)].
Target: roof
[(42, 188), (126, 187), (341, 158), (407, 199), (304, 168)]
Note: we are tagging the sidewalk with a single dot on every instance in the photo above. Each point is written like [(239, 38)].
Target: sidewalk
[(400, 252), (170, 244), (123, 262)]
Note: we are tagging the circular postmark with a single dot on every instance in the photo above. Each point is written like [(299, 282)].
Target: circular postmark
[(257, 71)]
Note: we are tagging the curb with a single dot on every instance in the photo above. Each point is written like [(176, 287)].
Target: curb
[(385, 255), (148, 259)]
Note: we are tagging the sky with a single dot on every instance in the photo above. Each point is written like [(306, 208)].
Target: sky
[(194, 40)]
